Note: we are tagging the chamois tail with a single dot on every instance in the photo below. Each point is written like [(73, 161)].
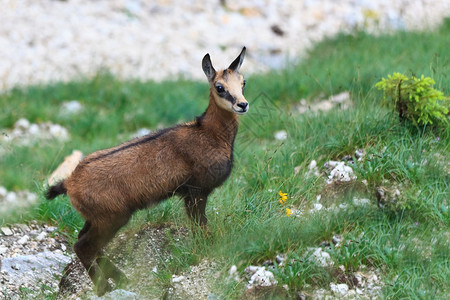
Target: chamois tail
[(55, 190)]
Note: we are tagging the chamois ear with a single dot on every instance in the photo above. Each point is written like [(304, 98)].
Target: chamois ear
[(236, 64), (208, 68)]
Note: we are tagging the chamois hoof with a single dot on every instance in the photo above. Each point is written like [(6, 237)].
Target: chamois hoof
[(120, 279), (103, 287)]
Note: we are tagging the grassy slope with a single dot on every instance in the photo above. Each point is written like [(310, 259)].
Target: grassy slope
[(247, 223)]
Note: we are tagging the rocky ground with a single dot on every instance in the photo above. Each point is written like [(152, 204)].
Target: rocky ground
[(35, 257), (31, 256), (44, 40)]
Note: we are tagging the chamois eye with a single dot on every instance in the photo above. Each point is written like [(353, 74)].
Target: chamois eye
[(220, 89), (243, 84)]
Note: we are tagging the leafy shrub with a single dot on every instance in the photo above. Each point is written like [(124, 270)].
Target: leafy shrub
[(415, 99)]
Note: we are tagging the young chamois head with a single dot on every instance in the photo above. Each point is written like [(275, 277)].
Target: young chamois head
[(227, 86)]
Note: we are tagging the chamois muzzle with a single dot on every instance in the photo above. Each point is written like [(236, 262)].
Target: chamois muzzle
[(243, 106)]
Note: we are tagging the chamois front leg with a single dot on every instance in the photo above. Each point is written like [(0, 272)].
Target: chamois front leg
[(195, 203)]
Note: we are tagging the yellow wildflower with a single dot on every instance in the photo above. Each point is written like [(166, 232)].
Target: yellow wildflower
[(283, 197), (288, 212)]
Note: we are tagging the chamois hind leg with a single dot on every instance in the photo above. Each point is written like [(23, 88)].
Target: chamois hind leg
[(110, 270), (86, 248), (94, 237), (85, 228), (67, 270), (195, 203)]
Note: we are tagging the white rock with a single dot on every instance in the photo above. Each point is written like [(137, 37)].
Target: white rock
[(322, 258), (51, 228), (3, 192), (332, 163), (336, 240), (340, 172), (339, 289), (261, 277), (361, 202), (233, 270), (59, 132), (22, 124), (252, 269), (280, 258), (31, 197), (178, 279), (359, 154), (343, 206), (141, 132), (312, 169), (359, 280), (6, 231), (317, 206), (280, 135), (23, 240), (119, 294), (71, 107), (233, 273), (340, 98), (41, 236), (11, 197), (34, 129)]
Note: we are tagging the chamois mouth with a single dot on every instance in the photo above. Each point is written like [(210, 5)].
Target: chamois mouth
[(241, 111)]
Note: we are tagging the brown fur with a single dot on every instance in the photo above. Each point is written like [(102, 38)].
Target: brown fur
[(188, 160)]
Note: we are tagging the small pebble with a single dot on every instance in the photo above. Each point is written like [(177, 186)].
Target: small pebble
[(23, 240), (6, 231)]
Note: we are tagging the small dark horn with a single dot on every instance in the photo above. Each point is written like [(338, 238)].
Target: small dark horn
[(236, 64)]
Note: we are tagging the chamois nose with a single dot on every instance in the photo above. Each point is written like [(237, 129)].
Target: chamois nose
[(243, 105)]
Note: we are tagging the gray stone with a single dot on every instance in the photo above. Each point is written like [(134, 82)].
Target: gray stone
[(118, 295), (6, 231), (23, 240), (336, 239), (178, 279), (260, 277), (71, 107), (11, 197), (339, 289), (3, 192), (212, 297), (41, 236), (34, 268), (280, 135)]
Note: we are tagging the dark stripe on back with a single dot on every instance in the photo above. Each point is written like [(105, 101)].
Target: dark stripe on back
[(145, 139)]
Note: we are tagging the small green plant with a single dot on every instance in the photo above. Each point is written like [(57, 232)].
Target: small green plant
[(415, 99)]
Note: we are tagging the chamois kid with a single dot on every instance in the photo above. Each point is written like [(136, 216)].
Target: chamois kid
[(189, 160)]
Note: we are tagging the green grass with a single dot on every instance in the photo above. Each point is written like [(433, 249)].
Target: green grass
[(408, 242)]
